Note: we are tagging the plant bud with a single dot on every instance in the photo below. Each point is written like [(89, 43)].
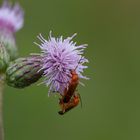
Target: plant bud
[(24, 71), (11, 21), (4, 58), (10, 44)]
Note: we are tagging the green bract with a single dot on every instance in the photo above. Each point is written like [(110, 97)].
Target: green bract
[(10, 44), (4, 58), (24, 71)]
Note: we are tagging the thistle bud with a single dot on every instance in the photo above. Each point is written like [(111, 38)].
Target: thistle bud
[(11, 21), (4, 58), (10, 44), (24, 71)]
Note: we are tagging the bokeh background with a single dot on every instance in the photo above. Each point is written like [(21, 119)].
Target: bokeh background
[(111, 106)]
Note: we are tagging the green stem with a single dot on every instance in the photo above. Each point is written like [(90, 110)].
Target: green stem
[(1, 107)]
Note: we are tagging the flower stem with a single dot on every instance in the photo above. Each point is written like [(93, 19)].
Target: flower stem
[(1, 107)]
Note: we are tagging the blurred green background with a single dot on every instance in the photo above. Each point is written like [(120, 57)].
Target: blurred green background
[(111, 106)]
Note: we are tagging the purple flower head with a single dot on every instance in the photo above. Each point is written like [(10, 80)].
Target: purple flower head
[(60, 56), (11, 18)]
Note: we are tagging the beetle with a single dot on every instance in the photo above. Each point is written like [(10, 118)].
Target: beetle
[(69, 92), (70, 105), (70, 99), (73, 83)]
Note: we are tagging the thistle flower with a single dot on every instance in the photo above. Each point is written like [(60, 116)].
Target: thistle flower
[(11, 20), (59, 56)]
